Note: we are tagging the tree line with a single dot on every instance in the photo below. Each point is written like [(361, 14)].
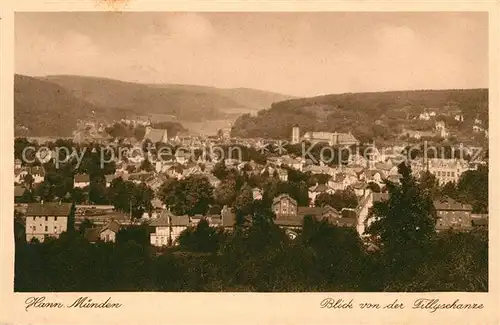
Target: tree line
[(405, 254)]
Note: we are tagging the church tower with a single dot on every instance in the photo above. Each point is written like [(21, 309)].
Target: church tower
[(295, 134), (148, 127)]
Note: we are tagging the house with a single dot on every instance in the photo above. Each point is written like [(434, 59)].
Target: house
[(340, 181), (81, 180), (452, 214), (167, 228), (283, 174), (321, 213), (106, 234), (47, 219), (37, 172), (373, 175), (424, 116), (283, 205), (155, 135), (315, 169), (477, 129), (440, 127)]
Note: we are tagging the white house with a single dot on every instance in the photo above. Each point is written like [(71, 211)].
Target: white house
[(81, 180), (109, 231), (48, 219), (168, 227)]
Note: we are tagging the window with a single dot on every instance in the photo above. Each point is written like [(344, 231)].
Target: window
[(452, 174), (55, 218), (34, 228), (46, 228), (46, 218)]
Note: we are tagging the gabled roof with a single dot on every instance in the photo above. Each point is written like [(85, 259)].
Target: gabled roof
[(448, 204), (179, 221), (310, 211), (283, 196), (113, 225), (155, 135), (19, 191), (346, 138), (82, 178), (48, 209)]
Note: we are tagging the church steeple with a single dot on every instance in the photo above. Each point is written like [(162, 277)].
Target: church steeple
[(148, 126)]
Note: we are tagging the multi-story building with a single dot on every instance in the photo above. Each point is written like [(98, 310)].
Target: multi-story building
[(332, 138), (47, 219), (167, 228), (452, 215), (446, 170)]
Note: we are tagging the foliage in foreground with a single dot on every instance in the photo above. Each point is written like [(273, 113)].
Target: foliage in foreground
[(259, 258)]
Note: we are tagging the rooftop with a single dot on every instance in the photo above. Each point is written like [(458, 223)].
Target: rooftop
[(48, 209)]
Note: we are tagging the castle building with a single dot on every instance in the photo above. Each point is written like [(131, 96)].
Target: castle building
[(332, 138)]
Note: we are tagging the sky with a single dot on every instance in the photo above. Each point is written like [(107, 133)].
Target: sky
[(299, 54)]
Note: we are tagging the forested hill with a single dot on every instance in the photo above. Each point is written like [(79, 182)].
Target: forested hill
[(185, 102), (366, 115), (46, 109), (50, 106)]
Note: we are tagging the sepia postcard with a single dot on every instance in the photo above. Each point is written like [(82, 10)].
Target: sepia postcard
[(270, 162)]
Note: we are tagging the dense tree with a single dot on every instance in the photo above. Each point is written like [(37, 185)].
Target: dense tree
[(191, 195), (131, 198), (220, 170), (403, 225), (226, 192), (339, 200), (429, 184), (201, 238), (473, 188)]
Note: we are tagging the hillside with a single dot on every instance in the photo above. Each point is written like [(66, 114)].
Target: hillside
[(186, 102), (45, 109), (50, 106), (367, 115)]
